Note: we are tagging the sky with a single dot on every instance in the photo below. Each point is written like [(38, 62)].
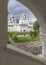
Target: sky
[(16, 9)]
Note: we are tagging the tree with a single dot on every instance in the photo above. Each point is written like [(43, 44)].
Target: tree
[(36, 27)]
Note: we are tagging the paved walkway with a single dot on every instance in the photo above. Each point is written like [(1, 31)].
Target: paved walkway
[(27, 35)]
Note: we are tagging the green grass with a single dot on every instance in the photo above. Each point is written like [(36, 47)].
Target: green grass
[(18, 33), (23, 39), (13, 36), (35, 38)]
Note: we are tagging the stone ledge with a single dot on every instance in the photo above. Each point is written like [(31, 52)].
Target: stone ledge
[(42, 57), (12, 50)]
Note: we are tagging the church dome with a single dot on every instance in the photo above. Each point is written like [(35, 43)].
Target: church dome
[(12, 17), (24, 19), (24, 16)]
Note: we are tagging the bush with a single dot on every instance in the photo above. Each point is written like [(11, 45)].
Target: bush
[(8, 42), (31, 33), (14, 37), (10, 34)]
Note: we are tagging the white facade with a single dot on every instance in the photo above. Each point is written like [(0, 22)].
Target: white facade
[(22, 26)]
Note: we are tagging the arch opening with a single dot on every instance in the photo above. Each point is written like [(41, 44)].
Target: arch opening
[(37, 13)]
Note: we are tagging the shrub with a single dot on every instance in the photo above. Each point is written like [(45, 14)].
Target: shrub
[(14, 37), (8, 42), (31, 33)]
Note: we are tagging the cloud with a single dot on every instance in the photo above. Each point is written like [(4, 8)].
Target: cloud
[(15, 8)]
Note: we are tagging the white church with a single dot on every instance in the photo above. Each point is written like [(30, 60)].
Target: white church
[(23, 25)]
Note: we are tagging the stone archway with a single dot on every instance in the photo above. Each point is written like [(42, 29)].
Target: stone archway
[(3, 23), (38, 9), (6, 58)]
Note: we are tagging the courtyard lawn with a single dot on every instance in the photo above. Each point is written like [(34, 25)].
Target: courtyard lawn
[(13, 36), (22, 39), (26, 39)]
